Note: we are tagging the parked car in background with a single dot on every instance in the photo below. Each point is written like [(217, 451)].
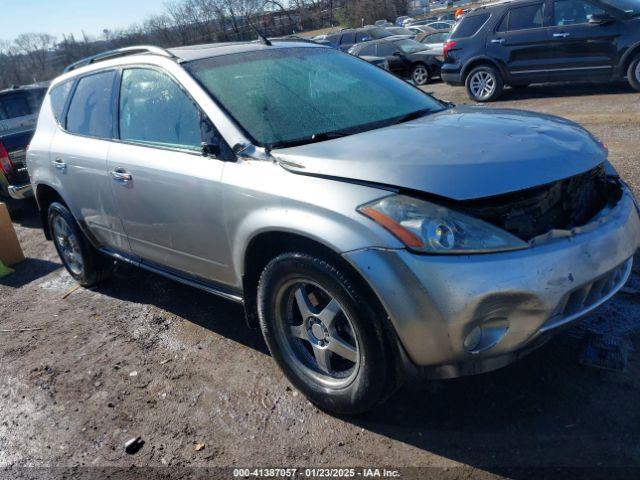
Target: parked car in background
[(423, 21), (348, 37), (522, 42), (441, 24), (400, 20), (434, 42), (451, 16), (373, 232), (19, 107), (383, 23), (401, 32), (421, 29), (407, 58)]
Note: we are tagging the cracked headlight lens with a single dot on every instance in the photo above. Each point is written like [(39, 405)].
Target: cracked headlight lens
[(429, 228)]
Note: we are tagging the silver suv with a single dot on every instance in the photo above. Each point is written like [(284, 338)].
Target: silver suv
[(373, 232)]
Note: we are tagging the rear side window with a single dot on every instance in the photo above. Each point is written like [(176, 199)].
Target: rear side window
[(362, 37), (58, 96), (469, 26), (154, 110), (523, 18), (386, 49), (91, 109), (348, 38), (368, 50)]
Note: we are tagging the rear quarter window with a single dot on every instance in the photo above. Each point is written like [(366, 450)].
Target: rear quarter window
[(91, 109), (58, 96), (469, 26)]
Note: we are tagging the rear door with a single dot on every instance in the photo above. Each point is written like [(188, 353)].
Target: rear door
[(167, 192), (78, 156), (581, 49), (397, 63), (520, 42)]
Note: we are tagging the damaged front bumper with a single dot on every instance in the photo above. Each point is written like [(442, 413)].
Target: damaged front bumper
[(460, 315)]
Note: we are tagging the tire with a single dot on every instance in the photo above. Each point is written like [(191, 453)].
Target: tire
[(420, 74), (338, 317), (488, 91), (633, 73), (83, 262)]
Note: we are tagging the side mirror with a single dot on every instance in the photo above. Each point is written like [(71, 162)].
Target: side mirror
[(600, 19), (397, 54)]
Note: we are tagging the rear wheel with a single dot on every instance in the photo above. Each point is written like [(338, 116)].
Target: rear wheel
[(420, 74), (633, 74), (324, 335), (83, 262), (484, 84)]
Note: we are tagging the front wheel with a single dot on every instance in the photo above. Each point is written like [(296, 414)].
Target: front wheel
[(484, 84), (420, 74), (85, 264), (324, 335), (633, 74)]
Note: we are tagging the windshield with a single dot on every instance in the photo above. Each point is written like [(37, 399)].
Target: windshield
[(628, 6), (409, 46), (289, 96)]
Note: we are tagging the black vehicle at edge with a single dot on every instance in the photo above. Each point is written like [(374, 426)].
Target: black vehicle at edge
[(520, 42), (19, 107), (406, 58)]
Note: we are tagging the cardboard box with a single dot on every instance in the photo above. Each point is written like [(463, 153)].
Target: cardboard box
[(10, 250)]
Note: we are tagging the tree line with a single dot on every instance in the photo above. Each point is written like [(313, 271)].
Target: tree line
[(37, 57)]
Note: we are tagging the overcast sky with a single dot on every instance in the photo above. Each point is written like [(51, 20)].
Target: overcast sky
[(72, 16)]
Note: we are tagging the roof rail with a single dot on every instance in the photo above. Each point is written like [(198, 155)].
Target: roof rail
[(118, 53)]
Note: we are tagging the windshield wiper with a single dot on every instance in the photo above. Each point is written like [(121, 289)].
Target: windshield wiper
[(412, 116)]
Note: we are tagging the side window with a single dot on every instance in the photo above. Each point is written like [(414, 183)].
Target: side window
[(91, 109), (572, 12), (362, 37), (155, 110), (368, 50), (348, 38), (469, 26), (522, 18), (58, 97), (503, 26), (386, 49)]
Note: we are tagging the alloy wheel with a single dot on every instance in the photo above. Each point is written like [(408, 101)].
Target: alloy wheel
[(420, 75), (68, 244), (317, 335), (482, 85)]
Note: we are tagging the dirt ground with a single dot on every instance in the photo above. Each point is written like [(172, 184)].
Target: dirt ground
[(143, 356)]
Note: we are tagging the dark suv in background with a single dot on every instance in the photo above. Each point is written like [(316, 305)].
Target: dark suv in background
[(532, 41)]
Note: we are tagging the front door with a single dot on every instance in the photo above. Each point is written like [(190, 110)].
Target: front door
[(582, 49), (168, 193)]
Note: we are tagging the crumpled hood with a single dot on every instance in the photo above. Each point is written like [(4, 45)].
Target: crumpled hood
[(461, 153)]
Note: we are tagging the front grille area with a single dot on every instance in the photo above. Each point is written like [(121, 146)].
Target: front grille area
[(562, 205), (584, 299)]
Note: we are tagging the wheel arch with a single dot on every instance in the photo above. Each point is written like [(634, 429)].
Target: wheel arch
[(628, 57), (45, 195), (477, 61), (265, 246)]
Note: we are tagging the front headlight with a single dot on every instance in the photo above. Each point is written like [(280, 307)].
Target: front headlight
[(428, 228)]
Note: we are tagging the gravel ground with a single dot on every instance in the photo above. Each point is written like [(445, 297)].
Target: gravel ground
[(142, 356)]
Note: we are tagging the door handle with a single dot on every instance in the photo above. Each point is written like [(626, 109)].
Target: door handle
[(59, 164), (121, 175), (497, 40), (561, 35)]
